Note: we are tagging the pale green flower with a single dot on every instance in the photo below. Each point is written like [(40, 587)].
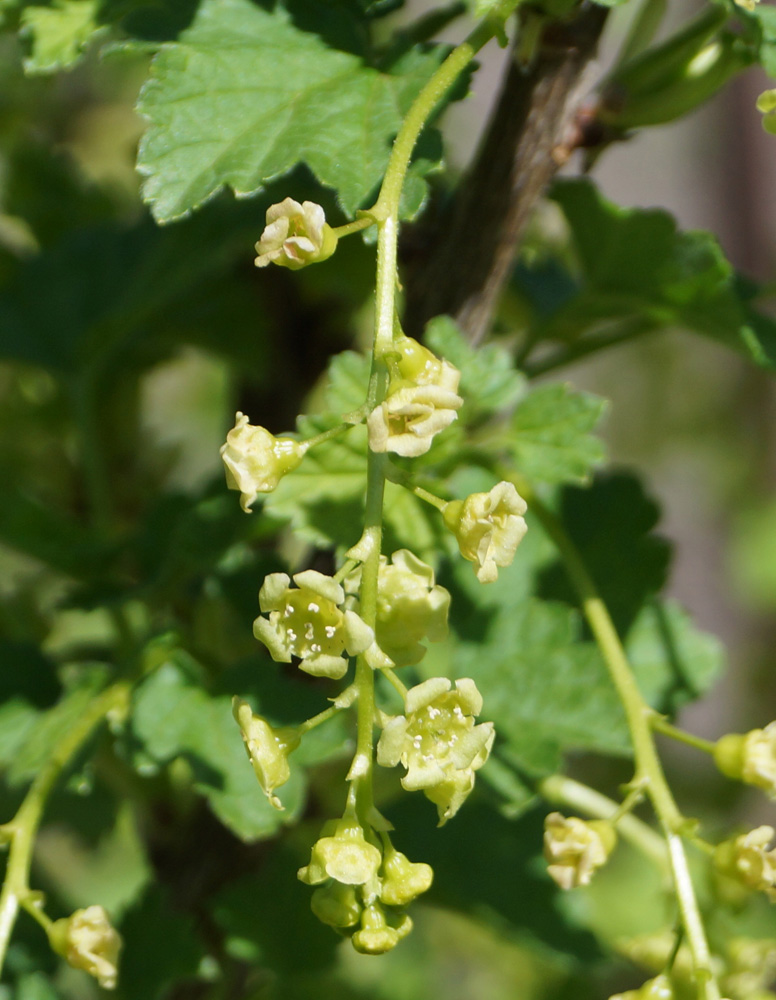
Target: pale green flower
[(659, 988), (488, 527), (411, 608), (336, 904), (376, 935), (422, 400), (267, 749), (402, 879), (343, 854), (307, 622), (438, 742), (746, 860), (574, 848), (256, 461), (296, 235), (88, 941), (750, 757)]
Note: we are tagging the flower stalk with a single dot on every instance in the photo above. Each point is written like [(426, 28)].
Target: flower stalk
[(639, 715), (22, 829)]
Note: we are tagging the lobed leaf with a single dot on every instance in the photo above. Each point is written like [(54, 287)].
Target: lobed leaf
[(550, 439), (244, 95), (59, 33)]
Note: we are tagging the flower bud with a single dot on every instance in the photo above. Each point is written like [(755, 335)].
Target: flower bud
[(87, 941), (336, 905), (574, 848), (376, 936), (746, 860), (422, 400), (410, 608), (256, 460), (659, 988), (403, 880), (438, 742), (296, 235), (308, 623), (750, 758), (346, 856), (267, 749), (489, 527)]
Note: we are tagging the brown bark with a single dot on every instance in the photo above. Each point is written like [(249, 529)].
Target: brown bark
[(526, 142)]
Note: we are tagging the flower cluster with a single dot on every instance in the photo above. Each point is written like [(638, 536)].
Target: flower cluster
[(87, 941), (422, 400), (296, 235), (574, 848), (256, 460), (308, 622), (750, 757), (488, 527), (363, 883), (438, 742)]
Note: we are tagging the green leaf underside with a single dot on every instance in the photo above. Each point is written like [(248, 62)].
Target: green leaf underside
[(636, 267), (244, 95), (173, 718)]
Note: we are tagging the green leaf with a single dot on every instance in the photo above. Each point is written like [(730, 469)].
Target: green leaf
[(347, 381), (674, 662), (550, 438), (173, 717), (639, 272), (34, 748), (60, 33), (611, 523), (161, 946), (545, 689), (244, 95), (489, 381)]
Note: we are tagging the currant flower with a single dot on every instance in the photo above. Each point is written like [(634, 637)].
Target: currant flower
[(403, 880), (256, 461), (296, 235), (488, 527), (87, 941), (766, 102), (422, 400), (337, 905), (267, 749), (750, 757), (343, 854), (307, 622), (376, 935), (659, 988), (438, 742), (411, 607), (746, 860), (574, 848)]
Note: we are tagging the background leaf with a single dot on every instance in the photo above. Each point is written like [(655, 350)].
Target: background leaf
[(244, 95)]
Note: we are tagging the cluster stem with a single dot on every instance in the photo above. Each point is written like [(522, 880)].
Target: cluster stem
[(639, 715), (22, 829)]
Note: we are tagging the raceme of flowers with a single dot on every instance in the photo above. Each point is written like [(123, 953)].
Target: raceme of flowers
[(361, 883)]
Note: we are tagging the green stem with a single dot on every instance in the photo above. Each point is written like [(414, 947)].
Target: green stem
[(24, 826), (621, 334), (639, 715), (391, 676), (353, 227), (561, 790), (422, 494), (386, 214), (333, 432), (661, 725)]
